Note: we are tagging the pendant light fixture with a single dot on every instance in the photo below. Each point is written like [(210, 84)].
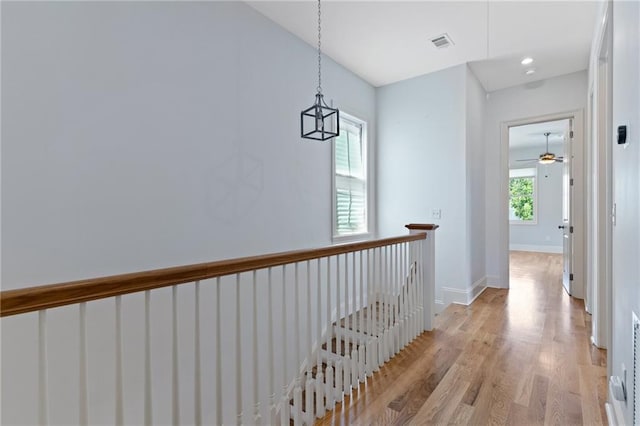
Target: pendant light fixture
[(319, 121)]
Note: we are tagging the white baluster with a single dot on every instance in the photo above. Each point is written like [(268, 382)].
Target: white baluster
[(355, 371), (421, 284), (319, 374), (354, 314), (395, 336), (271, 361), (284, 400), (346, 381), (218, 357), (175, 374), (329, 333), (329, 393), (347, 363), (309, 408), (119, 373), (388, 341), (296, 309), (197, 372), (309, 320), (338, 317), (309, 382), (320, 408), (346, 369), (362, 362), (297, 403), (238, 353), (380, 325), (256, 384), (148, 414), (361, 312), (403, 299), (43, 402), (319, 316), (82, 384), (338, 381)]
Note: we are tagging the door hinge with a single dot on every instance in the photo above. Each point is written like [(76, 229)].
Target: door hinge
[(571, 229), (571, 134), (570, 277), (571, 181)]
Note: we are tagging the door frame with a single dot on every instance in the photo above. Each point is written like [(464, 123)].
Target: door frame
[(600, 172), (578, 203)]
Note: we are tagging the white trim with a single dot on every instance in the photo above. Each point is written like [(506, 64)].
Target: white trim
[(526, 172), (614, 409), (464, 297), (439, 304), (366, 146), (535, 248), (577, 206)]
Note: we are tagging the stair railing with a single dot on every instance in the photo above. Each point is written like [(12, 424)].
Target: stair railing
[(264, 339)]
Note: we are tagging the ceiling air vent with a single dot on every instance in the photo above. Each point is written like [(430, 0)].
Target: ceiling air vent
[(442, 41)]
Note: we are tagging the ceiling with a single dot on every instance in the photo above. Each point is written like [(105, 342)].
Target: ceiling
[(387, 41), (532, 136)]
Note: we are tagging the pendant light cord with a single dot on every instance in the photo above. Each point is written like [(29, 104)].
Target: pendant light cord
[(319, 51)]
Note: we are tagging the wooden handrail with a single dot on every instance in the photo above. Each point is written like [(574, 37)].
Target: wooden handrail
[(32, 299)]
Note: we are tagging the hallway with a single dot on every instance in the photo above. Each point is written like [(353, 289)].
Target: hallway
[(515, 357)]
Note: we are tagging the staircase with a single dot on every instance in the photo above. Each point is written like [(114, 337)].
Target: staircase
[(270, 339), (354, 348)]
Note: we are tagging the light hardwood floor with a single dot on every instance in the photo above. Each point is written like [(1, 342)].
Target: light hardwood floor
[(519, 357)]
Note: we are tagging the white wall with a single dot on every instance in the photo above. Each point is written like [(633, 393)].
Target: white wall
[(554, 95), (421, 165), (168, 126), (475, 150), (544, 235), (145, 135), (626, 177), (430, 156)]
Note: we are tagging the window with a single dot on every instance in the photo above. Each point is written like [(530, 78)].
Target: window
[(522, 196), (350, 178)]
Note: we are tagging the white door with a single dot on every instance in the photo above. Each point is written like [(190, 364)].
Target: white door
[(567, 228)]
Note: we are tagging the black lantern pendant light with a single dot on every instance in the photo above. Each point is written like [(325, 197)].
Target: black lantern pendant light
[(319, 121)]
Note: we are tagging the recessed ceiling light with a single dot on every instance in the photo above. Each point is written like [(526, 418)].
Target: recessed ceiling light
[(526, 61), (529, 72)]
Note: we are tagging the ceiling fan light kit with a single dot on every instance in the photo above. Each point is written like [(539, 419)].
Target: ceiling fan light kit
[(547, 157), (319, 122)]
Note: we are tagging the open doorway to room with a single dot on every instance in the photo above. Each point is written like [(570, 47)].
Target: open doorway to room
[(539, 198)]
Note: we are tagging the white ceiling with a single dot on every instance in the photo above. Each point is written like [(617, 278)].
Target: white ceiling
[(388, 41), (532, 136)]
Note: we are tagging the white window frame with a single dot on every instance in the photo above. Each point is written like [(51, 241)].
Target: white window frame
[(341, 238), (527, 172)]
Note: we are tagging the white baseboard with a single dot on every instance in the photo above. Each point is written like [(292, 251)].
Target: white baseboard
[(536, 248), (463, 297), (614, 410)]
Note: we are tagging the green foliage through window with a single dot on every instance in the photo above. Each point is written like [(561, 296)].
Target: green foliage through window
[(521, 197)]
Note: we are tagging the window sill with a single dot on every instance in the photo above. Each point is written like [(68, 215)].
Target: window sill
[(521, 222), (352, 238)]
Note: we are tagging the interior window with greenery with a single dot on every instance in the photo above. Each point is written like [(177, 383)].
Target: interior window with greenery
[(522, 196), (350, 177)]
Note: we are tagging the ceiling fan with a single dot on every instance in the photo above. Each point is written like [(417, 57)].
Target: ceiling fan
[(547, 157)]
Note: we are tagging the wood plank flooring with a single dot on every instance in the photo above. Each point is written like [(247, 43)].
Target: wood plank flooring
[(518, 357)]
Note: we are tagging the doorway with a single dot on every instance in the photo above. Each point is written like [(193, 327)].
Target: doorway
[(540, 193), (566, 141)]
